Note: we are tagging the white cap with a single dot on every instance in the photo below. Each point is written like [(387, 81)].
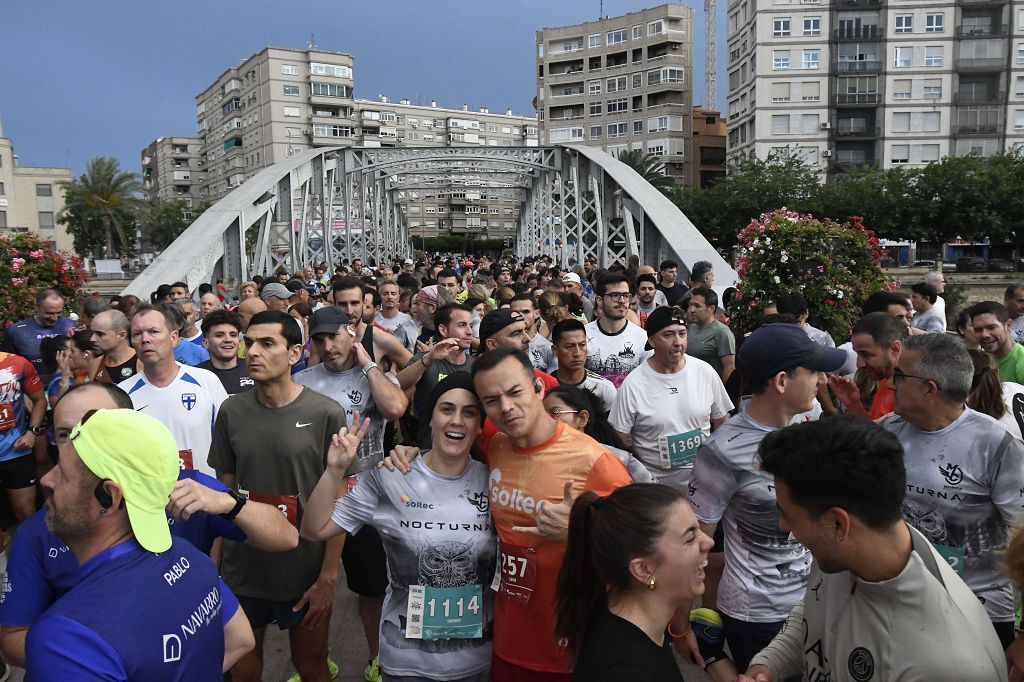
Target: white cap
[(408, 261), (571, 277)]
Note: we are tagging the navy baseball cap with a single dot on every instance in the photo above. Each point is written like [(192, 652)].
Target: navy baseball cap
[(493, 322), (327, 320), (779, 347), (661, 317)]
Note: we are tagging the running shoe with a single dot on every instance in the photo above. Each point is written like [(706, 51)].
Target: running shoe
[(332, 669), (371, 673)]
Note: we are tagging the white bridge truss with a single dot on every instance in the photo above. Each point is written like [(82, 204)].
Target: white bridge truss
[(327, 204)]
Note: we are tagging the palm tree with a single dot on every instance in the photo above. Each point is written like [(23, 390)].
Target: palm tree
[(649, 167), (106, 194)]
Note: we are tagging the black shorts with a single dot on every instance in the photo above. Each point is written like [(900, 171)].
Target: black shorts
[(19, 472), (263, 612), (366, 565), (719, 539)]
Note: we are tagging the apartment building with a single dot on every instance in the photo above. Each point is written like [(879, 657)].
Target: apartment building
[(708, 147), (171, 171), (31, 199), (853, 82), (621, 83)]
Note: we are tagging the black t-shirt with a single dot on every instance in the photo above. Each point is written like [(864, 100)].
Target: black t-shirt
[(615, 650), (674, 292), (235, 380)]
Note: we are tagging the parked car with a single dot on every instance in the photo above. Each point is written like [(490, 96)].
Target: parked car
[(999, 265), (924, 264), (970, 264), (947, 266)]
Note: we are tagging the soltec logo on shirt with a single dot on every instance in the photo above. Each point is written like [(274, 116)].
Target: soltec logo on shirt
[(512, 498), (414, 504)]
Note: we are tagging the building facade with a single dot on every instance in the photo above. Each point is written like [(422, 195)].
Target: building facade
[(621, 83), (282, 101), (31, 199), (875, 82), (171, 172), (708, 147)]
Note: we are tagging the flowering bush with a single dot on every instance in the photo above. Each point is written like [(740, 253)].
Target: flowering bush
[(28, 264), (834, 266)]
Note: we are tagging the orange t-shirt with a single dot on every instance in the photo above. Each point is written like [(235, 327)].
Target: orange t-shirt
[(520, 481), (884, 399)]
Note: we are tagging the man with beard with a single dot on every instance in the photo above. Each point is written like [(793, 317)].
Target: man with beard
[(538, 347), (615, 345), (992, 330), (391, 319), (349, 297), (877, 340), (647, 296)]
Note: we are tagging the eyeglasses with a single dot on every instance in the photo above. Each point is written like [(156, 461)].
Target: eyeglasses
[(557, 412), (617, 295), (898, 376)]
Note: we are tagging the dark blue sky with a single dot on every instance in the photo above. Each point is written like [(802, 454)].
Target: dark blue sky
[(85, 78)]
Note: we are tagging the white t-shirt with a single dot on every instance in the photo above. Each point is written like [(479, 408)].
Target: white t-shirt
[(940, 310), (668, 416), (1017, 329), (602, 389), (613, 356), (542, 354), (187, 407), (1013, 419), (819, 336), (392, 323)]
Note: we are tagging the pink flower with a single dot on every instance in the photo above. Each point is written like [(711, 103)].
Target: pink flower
[(821, 268), (38, 253), (17, 281), (65, 267)]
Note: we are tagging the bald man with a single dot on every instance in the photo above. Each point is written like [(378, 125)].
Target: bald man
[(110, 340), (248, 308)]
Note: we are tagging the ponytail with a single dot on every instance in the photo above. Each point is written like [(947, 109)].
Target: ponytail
[(580, 592), (986, 395)]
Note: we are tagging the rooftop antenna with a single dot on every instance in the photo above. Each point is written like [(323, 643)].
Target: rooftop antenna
[(312, 41), (710, 68), (601, 16)]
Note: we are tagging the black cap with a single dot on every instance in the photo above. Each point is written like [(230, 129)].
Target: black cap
[(294, 285), (327, 321), (493, 322), (457, 380), (778, 347), (662, 317)]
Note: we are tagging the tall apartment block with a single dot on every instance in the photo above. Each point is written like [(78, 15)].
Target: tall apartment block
[(282, 101), (171, 171), (876, 82), (621, 83), (30, 198)]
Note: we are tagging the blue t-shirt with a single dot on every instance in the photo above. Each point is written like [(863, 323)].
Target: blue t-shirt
[(41, 568), (52, 391), (99, 630), (23, 339), (190, 354)]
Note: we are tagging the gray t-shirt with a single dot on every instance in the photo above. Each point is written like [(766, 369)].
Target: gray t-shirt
[(352, 391), (963, 494), (437, 533), (928, 321), (277, 456), (710, 343), (765, 569), (401, 326)]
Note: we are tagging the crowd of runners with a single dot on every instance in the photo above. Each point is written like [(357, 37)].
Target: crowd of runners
[(526, 472)]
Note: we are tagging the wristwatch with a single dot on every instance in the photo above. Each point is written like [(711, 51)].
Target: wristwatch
[(240, 501), (38, 429)]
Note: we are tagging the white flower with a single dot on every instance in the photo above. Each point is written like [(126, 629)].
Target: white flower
[(785, 258), (791, 219), (776, 279), (839, 294)]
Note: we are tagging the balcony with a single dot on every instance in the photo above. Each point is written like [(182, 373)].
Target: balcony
[(969, 32), (981, 3), (577, 72), (858, 34), (978, 97), (977, 129), (857, 133), (981, 64), (859, 66), (844, 166), (856, 99), (856, 4)]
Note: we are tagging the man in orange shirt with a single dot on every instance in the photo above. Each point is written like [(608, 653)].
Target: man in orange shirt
[(537, 465), (877, 339)]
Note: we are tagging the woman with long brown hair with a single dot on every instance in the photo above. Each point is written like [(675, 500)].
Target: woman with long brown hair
[(1001, 400)]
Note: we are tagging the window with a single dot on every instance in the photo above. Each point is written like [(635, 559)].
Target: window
[(808, 154), (812, 26), (595, 108), (46, 220), (780, 27), (289, 70), (336, 70), (932, 88), (638, 32), (3, 219), (291, 112), (638, 80), (656, 27), (594, 41), (780, 124), (320, 130), (780, 60), (561, 134), (901, 89), (290, 90), (665, 75), (617, 130), (780, 92), (44, 190), (617, 37), (656, 148), (904, 23), (933, 55), (808, 123), (617, 84), (330, 90), (933, 23), (594, 87), (638, 127), (900, 153), (929, 153), (1018, 119), (812, 59), (901, 122), (595, 132), (2, 187), (930, 121), (1018, 91), (616, 106), (1020, 20), (902, 56), (810, 91), (1020, 53)]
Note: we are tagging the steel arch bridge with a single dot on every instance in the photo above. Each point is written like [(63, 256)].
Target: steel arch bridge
[(327, 204)]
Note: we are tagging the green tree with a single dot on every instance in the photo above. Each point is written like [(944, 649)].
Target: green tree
[(953, 197), (164, 221), (103, 198), (649, 167)]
